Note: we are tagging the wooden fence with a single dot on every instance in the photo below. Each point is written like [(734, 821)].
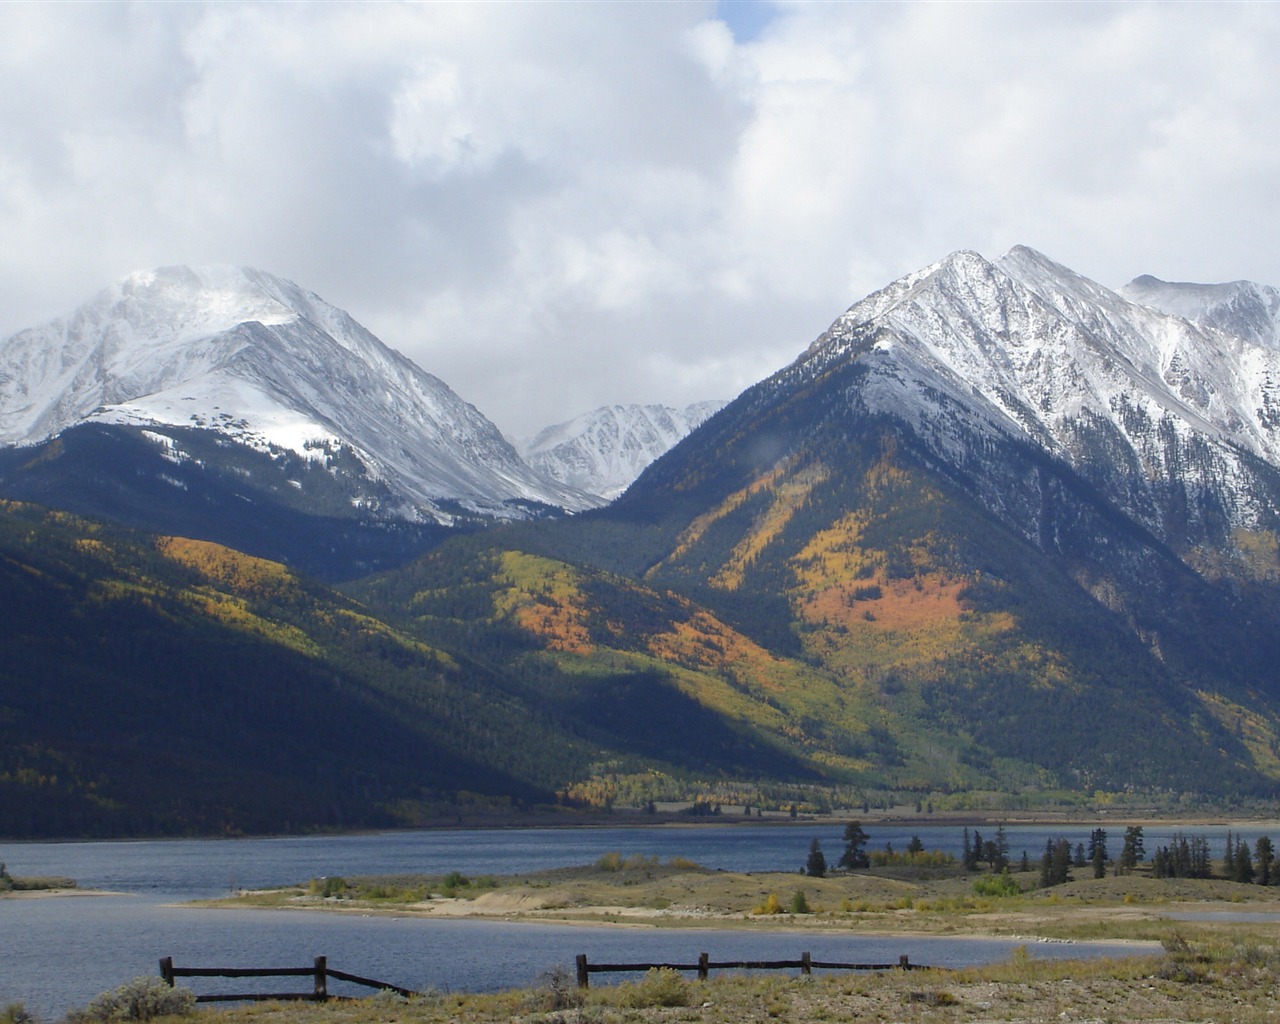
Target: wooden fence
[(319, 974), (706, 965)]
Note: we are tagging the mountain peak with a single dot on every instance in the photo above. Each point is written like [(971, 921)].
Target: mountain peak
[(602, 452), (1244, 308), (258, 358)]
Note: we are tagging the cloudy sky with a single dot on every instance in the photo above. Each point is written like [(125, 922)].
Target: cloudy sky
[(559, 205)]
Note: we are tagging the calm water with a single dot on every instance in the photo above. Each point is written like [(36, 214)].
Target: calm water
[(59, 953)]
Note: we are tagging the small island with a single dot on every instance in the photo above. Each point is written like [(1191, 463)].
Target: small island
[(14, 885)]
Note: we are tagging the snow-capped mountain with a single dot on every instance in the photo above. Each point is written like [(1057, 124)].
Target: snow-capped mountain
[(274, 367), (602, 452), (1243, 308), (1175, 420)]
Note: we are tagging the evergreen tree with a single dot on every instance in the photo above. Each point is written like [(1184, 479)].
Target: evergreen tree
[(1132, 851), (1265, 855), (1000, 851), (1046, 865), (967, 851), (1025, 865), (855, 848), (1200, 864), (1181, 864), (816, 865), (1061, 861), (1098, 852), (1080, 859), (1229, 858), (1055, 864), (1243, 863), (916, 845)]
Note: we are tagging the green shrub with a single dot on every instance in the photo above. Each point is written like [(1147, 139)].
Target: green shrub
[(800, 904), (329, 886), (1002, 884), (139, 1000), (661, 986)]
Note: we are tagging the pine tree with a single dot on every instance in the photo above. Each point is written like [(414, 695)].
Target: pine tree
[(1098, 852), (1200, 864), (1132, 851), (1265, 854), (855, 848), (1243, 863), (816, 865), (1061, 862), (1000, 860), (1046, 865)]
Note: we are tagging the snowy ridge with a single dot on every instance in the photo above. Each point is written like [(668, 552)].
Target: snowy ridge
[(602, 452), (261, 360), (1139, 401), (1247, 310)]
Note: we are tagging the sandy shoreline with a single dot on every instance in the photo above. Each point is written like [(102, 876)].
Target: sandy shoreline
[(42, 894), (523, 908)]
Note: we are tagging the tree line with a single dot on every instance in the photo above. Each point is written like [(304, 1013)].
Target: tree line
[(1184, 857)]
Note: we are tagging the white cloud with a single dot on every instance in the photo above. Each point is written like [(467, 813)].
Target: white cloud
[(557, 205)]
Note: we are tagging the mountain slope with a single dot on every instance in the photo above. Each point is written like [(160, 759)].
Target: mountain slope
[(160, 685), (1034, 520), (271, 366), (998, 529), (1240, 308), (602, 452)]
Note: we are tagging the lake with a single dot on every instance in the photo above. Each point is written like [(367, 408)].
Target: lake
[(59, 953)]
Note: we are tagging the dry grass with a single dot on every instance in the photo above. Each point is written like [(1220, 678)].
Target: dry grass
[(1214, 980), (681, 896), (1202, 971)]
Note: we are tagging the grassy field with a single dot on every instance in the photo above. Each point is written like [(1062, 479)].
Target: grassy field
[(641, 891)]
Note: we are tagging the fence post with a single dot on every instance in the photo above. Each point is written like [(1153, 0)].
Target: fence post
[(166, 969), (322, 979), (904, 962), (584, 976), (806, 963), (703, 960)]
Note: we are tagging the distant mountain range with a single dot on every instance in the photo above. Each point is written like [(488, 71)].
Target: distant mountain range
[(226, 399), (999, 534), (602, 452)]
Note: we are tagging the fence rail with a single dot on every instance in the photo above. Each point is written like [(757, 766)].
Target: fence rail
[(706, 965), (320, 973)]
